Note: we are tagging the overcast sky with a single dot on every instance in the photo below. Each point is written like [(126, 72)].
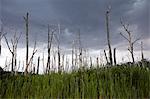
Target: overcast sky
[(86, 15)]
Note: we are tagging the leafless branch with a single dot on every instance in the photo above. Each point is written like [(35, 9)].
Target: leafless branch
[(124, 36), (136, 40), (8, 44)]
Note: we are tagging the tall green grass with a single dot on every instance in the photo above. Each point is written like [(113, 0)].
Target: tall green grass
[(120, 82)]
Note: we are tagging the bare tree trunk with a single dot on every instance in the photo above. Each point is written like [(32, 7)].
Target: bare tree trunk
[(142, 55), (106, 57), (76, 57), (91, 64), (115, 56), (31, 58), (80, 58), (48, 60), (50, 40), (97, 62), (59, 67), (80, 50), (54, 61), (132, 54), (63, 57), (26, 19), (12, 63), (37, 72), (0, 48), (131, 47), (72, 54), (108, 36), (43, 64)]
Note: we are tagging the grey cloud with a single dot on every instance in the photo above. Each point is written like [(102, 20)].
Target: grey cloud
[(86, 15)]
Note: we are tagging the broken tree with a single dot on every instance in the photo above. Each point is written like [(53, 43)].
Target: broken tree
[(108, 36), (26, 19)]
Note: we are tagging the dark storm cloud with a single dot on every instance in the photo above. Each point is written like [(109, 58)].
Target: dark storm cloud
[(86, 15), (0, 7)]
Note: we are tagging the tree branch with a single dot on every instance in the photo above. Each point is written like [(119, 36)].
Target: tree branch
[(7, 44), (136, 40), (124, 36)]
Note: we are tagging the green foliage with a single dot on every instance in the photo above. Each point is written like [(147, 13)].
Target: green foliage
[(120, 82)]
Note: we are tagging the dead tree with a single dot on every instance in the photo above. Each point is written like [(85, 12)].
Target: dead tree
[(108, 36), (129, 38), (26, 19), (31, 58), (14, 43), (28, 61)]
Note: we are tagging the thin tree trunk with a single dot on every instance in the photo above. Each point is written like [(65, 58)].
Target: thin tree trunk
[(48, 60), (27, 42), (12, 63), (76, 56), (31, 58), (38, 65), (108, 37), (115, 56), (0, 48), (43, 64), (80, 50), (50, 39), (63, 57), (131, 48), (59, 69), (131, 51), (72, 54), (106, 57), (142, 55), (91, 64), (97, 62)]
